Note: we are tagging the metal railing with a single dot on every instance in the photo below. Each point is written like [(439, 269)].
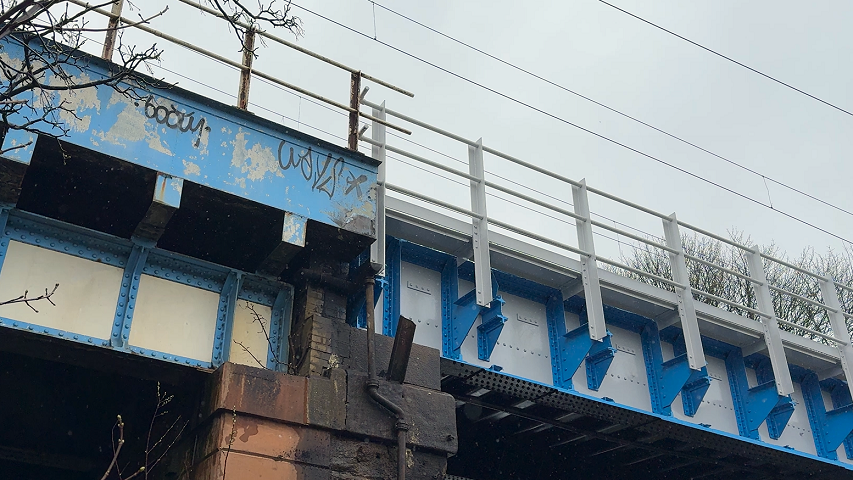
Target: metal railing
[(756, 276), (246, 66)]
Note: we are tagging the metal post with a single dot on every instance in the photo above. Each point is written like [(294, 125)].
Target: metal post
[(377, 250), (686, 308), (112, 31), (839, 328), (480, 226), (589, 269), (772, 337), (355, 104), (246, 73)]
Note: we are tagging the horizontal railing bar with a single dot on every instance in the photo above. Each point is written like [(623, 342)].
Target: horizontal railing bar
[(714, 236), (296, 47), (639, 272), (730, 302), (419, 123), (536, 201), (724, 269), (844, 287), (799, 269), (634, 237), (800, 297), (420, 159), (227, 61), (627, 203), (449, 206), (848, 315), (535, 236), (531, 166), (813, 332)]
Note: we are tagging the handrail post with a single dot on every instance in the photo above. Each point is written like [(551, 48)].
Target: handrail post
[(589, 269), (355, 104), (112, 31), (246, 73), (839, 328), (480, 226), (377, 250), (772, 336), (686, 307)]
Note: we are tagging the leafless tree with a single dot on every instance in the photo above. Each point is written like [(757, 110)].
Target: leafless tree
[(263, 324), (42, 61), (836, 265)]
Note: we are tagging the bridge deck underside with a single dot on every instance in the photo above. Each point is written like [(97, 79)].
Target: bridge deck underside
[(513, 428)]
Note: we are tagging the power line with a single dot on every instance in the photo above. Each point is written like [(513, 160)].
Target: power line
[(780, 82), (575, 125), (612, 109)]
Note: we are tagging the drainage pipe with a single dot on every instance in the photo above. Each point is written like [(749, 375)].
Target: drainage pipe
[(372, 386)]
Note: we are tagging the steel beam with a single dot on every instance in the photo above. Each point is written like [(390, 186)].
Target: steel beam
[(480, 227), (589, 269), (686, 308), (164, 202), (293, 232)]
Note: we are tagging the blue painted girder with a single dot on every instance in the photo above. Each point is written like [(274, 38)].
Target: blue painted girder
[(830, 427), (465, 312), (755, 405), (187, 136)]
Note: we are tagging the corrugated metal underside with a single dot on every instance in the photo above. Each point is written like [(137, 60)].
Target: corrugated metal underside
[(513, 428)]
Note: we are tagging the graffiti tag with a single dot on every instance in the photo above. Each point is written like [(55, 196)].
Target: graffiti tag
[(174, 119), (325, 175)]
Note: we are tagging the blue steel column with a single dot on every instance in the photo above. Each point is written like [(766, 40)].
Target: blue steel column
[(829, 428), (127, 295), (4, 238), (449, 294), (754, 405), (391, 287), (570, 349), (225, 318), (279, 330), (667, 379)]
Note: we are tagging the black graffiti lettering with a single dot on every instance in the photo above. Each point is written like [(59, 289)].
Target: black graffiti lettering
[(172, 118), (324, 174)]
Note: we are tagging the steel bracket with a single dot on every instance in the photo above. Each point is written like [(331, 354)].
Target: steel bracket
[(668, 379), (831, 427), (127, 295), (589, 269), (569, 349), (755, 405), (464, 313), (491, 326)]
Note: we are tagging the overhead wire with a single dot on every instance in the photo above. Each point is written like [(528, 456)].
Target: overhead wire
[(579, 127), (754, 70), (612, 109)]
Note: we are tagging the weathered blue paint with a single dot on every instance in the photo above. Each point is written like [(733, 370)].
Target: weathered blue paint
[(127, 295), (293, 231), (19, 146), (186, 136)]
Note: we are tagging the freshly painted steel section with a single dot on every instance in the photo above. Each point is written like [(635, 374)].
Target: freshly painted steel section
[(480, 226), (755, 405), (570, 349), (589, 269), (772, 337), (686, 308), (839, 329), (377, 250), (831, 427), (390, 284), (185, 136)]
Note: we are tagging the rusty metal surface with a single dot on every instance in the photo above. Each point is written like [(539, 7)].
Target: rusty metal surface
[(401, 350)]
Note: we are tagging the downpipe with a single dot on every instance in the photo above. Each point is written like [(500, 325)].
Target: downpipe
[(372, 386)]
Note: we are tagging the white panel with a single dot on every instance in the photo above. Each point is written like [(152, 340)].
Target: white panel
[(626, 380), (174, 318), (717, 408), (420, 300), (522, 349), (86, 297), (798, 433), (247, 332)]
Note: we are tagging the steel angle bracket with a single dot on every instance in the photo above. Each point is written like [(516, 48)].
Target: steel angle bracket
[(753, 406), (686, 309), (569, 349), (831, 427), (668, 379), (697, 385), (465, 313), (480, 227), (589, 269)]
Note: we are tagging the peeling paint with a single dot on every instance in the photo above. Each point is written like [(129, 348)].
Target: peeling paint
[(132, 126), (257, 161), (191, 168)]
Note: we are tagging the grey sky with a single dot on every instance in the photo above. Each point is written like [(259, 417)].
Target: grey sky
[(602, 53)]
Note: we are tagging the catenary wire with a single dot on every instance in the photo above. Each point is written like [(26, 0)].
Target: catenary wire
[(579, 127), (614, 110), (780, 82)]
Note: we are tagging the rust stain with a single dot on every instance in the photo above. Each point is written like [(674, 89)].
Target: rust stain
[(250, 428)]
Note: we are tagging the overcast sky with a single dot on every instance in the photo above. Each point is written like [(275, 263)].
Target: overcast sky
[(599, 52)]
